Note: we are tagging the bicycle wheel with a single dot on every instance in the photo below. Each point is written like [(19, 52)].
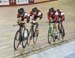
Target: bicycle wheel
[(30, 36), (55, 36), (61, 31), (17, 40), (49, 37), (25, 38), (35, 36), (50, 32)]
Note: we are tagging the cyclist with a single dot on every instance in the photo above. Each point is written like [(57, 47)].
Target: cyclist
[(35, 13), (23, 17), (52, 17), (62, 17)]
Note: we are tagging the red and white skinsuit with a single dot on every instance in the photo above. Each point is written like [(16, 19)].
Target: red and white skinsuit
[(62, 18), (53, 17), (36, 15)]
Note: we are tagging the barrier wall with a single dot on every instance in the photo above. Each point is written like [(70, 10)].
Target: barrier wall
[(22, 1), (4, 2), (36, 1), (19, 2)]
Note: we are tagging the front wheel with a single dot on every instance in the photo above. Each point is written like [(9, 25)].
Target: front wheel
[(49, 37), (61, 31), (17, 40), (63, 34)]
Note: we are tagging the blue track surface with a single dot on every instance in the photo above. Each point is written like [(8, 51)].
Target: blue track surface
[(63, 51)]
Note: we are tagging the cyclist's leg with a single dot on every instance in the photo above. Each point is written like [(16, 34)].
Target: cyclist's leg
[(55, 30), (21, 31), (31, 34), (36, 17), (41, 16), (55, 26), (63, 29), (37, 25), (24, 26), (20, 27), (33, 29)]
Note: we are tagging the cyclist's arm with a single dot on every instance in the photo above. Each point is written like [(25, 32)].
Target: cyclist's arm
[(40, 14), (27, 17), (31, 13), (48, 16), (56, 17), (62, 16), (20, 21), (18, 15)]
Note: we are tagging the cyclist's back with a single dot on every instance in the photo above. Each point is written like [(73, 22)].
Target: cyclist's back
[(51, 14), (60, 15), (22, 15), (36, 13), (62, 18)]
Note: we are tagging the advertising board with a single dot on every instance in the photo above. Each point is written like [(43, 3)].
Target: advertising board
[(4, 2), (22, 1)]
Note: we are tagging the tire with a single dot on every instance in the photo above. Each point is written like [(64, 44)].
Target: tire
[(63, 33), (60, 30), (16, 40), (25, 38), (50, 33), (49, 37), (30, 36)]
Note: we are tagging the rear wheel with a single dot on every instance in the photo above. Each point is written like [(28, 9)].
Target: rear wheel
[(49, 37), (61, 31), (30, 36), (63, 34), (54, 37), (17, 40), (25, 38)]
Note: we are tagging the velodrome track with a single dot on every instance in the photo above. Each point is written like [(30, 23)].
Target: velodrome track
[(7, 30)]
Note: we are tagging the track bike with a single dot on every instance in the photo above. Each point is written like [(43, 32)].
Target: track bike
[(21, 36), (52, 33), (34, 32), (60, 28)]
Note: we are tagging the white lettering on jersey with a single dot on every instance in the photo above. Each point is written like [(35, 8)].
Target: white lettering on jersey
[(39, 13), (26, 14), (62, 13), (56, 13)]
